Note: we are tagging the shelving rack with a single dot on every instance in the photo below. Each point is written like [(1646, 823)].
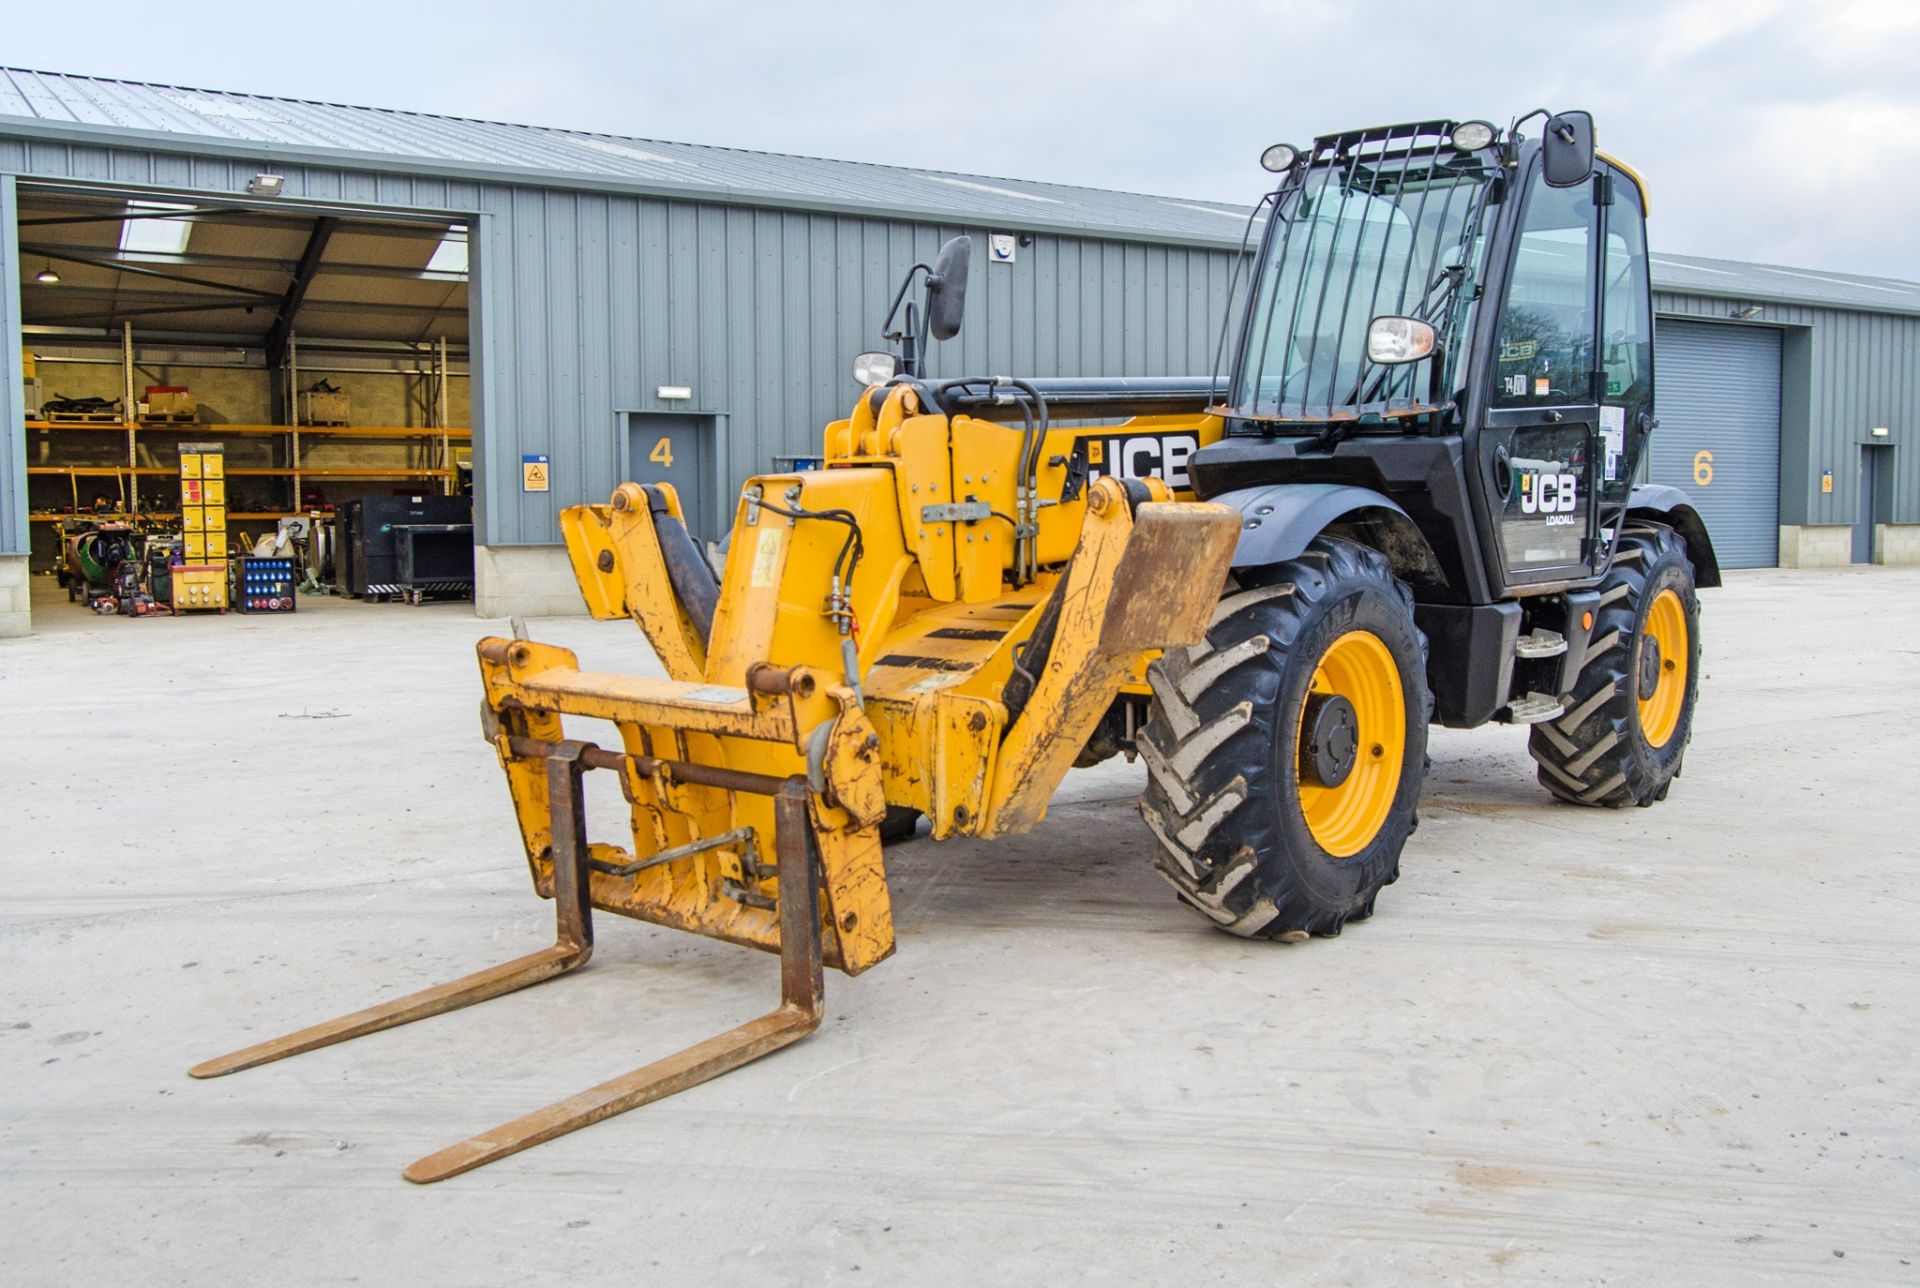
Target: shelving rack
[(127, 464), (127, 476)]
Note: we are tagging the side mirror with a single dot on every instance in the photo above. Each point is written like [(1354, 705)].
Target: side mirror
[(1567, 149), (1392, 341), (947, 289)]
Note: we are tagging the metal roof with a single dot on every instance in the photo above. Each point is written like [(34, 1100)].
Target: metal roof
[(168, 116), (1735, 280), (84, 108)]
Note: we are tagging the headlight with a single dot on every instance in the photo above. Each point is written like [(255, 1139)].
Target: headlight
[(1396, 340), (1471, 136), (1279, 158), (874, 368)]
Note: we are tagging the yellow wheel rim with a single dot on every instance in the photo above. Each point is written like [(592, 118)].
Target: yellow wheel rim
[(1345, 818), (1666, 626)]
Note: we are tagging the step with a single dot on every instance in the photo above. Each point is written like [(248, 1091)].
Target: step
[(1541, 643), (1535, 707)]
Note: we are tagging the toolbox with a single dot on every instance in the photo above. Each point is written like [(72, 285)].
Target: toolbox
[(265, 584)]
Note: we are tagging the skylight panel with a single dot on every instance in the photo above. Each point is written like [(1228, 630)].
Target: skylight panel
[(1206, 210), (622, 150), (155, 236), (987, 187), (450, 256)]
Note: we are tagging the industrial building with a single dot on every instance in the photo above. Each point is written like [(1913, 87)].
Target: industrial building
[(355, 302)]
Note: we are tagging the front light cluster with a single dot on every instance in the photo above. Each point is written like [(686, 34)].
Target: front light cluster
[(872, 369), (1394, 340)]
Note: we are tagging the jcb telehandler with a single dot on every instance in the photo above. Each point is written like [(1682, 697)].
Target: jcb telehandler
[(1419, 506)]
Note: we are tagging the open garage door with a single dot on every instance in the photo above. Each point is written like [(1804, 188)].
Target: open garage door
[(1718, 398), (268, 397)]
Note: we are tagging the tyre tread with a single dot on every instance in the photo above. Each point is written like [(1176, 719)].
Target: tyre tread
[(1593, 754), (1207, 742)]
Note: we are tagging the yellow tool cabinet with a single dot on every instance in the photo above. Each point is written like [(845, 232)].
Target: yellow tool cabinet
[(201, 583)]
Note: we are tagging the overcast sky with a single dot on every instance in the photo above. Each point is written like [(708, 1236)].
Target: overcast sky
[(1782, 131)]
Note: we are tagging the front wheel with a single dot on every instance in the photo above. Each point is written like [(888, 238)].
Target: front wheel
[(1286, 751)]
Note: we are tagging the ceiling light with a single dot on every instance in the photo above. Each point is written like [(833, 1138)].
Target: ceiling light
[(46, 276), (266, 185)]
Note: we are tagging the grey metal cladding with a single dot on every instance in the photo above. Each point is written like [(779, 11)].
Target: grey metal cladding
[(593, 301)]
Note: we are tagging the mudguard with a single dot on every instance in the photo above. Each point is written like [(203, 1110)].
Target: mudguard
[(1280, 519), (1669, 505)]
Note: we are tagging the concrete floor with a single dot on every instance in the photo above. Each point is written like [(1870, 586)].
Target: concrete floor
[(1662, 1046)]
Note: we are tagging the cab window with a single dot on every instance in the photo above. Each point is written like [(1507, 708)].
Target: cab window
[(1544, 341)]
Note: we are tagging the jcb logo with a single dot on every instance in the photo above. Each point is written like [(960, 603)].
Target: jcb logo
[(1549, 493), (1161, 456)]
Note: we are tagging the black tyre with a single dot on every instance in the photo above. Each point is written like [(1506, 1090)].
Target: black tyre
[(1626, 726), (1285, 753)]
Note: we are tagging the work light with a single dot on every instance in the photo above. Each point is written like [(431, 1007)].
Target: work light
[(1279, 158), (1471, 136)]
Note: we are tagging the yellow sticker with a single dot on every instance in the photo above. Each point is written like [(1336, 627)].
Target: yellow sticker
[(1096, 451), (766, 559)]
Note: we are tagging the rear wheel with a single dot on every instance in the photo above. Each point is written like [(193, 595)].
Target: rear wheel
[(1286, 751), (1626, 727)]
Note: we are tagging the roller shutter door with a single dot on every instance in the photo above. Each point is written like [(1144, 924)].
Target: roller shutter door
[(1717, 393)]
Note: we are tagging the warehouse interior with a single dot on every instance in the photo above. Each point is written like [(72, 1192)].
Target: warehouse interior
[(321, 356)]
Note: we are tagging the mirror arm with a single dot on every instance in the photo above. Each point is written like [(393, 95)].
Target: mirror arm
[(906, 284), (926, 320), (912, 338)]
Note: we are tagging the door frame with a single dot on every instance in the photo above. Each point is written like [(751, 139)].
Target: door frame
[(1872, 487), (710, 494), (1489, 430)]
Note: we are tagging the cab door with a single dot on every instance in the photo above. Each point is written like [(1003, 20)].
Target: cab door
[(1540, 433)]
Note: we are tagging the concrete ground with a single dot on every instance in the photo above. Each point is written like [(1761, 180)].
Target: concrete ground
[(1673, 1045)]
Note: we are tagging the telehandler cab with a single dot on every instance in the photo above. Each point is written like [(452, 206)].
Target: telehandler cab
[(1418, 506)]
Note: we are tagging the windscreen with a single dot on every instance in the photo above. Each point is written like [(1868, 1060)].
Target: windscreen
[(1364, 234)]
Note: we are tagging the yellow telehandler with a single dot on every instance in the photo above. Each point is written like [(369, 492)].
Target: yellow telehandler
[(1420, 508), (924, 626)]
